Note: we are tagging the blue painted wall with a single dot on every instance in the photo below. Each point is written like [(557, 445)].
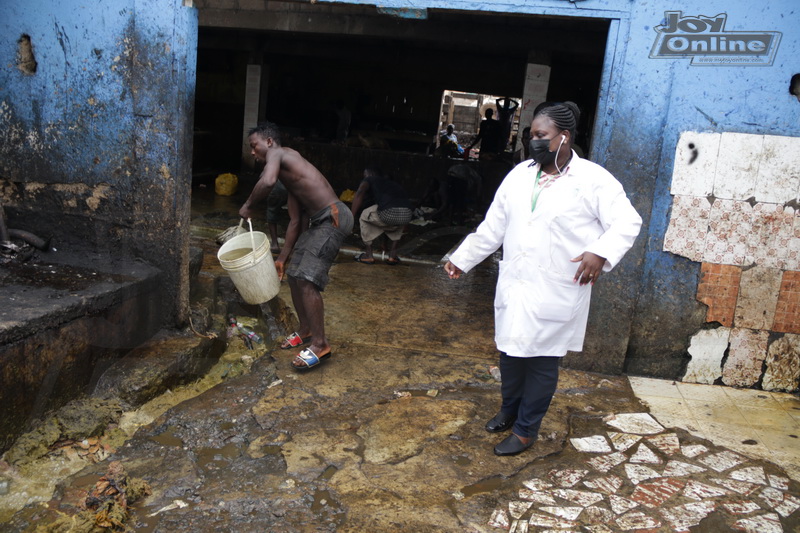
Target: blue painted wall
[(95, 145)]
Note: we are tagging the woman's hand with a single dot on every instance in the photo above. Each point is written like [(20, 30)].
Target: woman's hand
[(590, 268), (453, 271)]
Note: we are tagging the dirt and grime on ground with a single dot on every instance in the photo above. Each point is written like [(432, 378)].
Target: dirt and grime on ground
[(388, 435)]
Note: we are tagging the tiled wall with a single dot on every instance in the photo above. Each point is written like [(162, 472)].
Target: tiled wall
[(735, 209)]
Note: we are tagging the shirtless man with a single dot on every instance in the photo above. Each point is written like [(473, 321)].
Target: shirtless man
[(314, 249)]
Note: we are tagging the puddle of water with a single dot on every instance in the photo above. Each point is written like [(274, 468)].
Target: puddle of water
[(213, 458), (167, 438), (484, 485), (328, 472)]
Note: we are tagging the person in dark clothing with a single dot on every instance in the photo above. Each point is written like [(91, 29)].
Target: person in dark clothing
[(489, 135), (388, 214)]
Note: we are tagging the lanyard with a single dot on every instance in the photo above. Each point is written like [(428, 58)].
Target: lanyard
[(536, 190)]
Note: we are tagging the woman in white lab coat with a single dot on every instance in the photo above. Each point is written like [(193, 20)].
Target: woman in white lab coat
[(562, 221)]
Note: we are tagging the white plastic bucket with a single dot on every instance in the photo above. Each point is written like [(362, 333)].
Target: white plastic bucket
[(248, 261)]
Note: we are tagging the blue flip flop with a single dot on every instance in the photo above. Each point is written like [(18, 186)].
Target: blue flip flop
[(310, 359)]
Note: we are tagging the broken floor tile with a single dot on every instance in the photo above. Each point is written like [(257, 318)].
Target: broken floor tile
[(701, 491), (593, 444), (645, 455), (638, 423), (537, 497), (519, 526), (543, 520), (499, 518), (679, 468), (595, 515), (693, 450), (742, 507), (668, 443), (568, 477), (623, 441), (751, 474), (784, 504), (723, 460), (581, 497), (655, 494), (607, 484), (604, 463), (778, 482), (637, 520), (766, 523), (517, 509), (682, 517), (619, 504), (570, 513), (537, 484), (638, 473), (598, 528), (742, 487)]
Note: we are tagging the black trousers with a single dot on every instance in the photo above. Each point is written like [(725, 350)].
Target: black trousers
[(528, 385)]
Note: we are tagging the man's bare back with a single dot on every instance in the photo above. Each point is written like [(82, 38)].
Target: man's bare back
[(303, 180)]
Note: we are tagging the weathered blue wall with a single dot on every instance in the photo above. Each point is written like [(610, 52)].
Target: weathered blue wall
[(95, 145)]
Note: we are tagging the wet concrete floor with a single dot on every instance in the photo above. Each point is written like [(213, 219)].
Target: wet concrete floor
[(387, 435)]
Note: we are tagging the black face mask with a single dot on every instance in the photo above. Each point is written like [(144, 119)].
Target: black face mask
[(540, 151)]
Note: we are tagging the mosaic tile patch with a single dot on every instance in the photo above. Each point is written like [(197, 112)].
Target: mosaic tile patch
[(568, 477), (740, 487), (701, 491), (604, 463), (645, 455), (543, 520), (679, 468), (728, 235), (766, 523), (784, 504), (723, 460), (688, 227), (639, 473), (537, 497), (569, 513), (517, 509), (607, 484), (499, 519), (648, 499), (682, 517), (751, 474), (655, 494), (537, 484), (598, 514), (637, 423), (742, 507), (595, 443), (693, 450), (581, 497), (770, 235), (778, 482), (637, 520), (623, 441), (667, 443), (620, 505)]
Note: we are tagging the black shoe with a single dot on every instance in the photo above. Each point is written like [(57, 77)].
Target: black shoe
[(511, 445), (500, 422)]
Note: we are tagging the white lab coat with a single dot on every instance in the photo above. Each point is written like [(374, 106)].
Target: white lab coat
[(539, 310)]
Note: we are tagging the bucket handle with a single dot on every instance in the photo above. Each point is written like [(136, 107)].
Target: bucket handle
[(252, 239)]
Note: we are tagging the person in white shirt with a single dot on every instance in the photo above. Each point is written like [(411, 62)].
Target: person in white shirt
[(562, 221)]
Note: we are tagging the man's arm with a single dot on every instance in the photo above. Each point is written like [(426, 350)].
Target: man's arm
[(293, 231), (264, 185)]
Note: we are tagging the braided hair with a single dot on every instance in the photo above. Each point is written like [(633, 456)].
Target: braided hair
[(565, 115)]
